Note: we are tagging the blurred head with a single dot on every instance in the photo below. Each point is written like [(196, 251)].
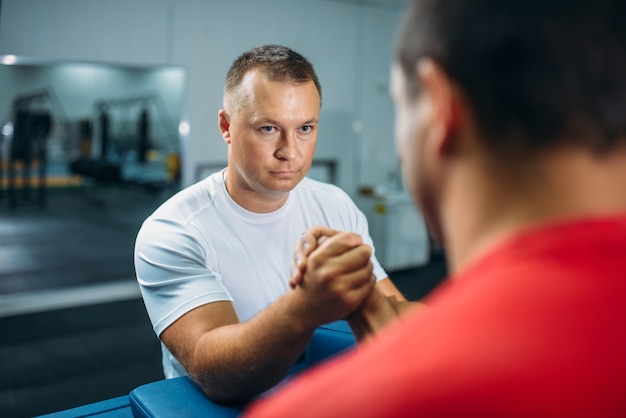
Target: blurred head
[(536, 75), (269, 121)]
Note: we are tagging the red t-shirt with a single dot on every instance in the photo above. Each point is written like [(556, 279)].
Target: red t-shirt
[(536, 327)]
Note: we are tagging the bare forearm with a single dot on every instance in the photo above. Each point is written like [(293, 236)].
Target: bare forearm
[(404, 306), (375, 313), (240, 366), (235, 362)]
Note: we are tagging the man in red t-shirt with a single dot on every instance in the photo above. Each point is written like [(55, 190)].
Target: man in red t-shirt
[(511, 129)]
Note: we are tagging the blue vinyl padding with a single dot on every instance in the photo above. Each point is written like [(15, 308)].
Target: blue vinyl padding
[(328, 341), (111, 408), (180, 397)]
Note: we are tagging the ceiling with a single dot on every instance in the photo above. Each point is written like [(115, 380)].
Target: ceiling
[(386, 4)]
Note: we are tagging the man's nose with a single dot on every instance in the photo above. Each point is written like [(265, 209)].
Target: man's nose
[(287, 149)]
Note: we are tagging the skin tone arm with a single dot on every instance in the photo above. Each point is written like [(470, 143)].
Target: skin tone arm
[(232, 361), (383, 305)]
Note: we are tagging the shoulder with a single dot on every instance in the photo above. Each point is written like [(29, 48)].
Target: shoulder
[(191, 199), (184, 208)]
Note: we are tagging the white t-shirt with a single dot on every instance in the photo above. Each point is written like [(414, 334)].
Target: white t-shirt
[(201, 247)]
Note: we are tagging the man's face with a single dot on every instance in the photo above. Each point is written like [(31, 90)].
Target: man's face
[(272, 132), (416, 153)]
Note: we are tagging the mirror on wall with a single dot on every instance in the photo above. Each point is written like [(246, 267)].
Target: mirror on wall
[(67, 125)]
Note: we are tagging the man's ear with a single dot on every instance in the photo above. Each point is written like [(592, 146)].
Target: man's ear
[(223, 122), (443, 100)]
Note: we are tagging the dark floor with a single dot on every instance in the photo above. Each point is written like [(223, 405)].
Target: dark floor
[(64, 358), (81, 236), (56, 358)]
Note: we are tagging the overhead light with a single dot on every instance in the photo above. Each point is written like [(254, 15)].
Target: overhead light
[(7, 129), (9, 59), (183, 128)]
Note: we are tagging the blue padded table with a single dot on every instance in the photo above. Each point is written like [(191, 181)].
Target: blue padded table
[(111, 408), (329, 340), (180, 397), (177, 397)]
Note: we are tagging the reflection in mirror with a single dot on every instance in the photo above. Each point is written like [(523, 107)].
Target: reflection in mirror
[(85, 125), (87, 152)]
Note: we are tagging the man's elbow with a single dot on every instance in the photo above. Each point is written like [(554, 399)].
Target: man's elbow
[(224, 392)]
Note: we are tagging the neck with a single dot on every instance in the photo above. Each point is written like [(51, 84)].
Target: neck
[(250, 199), (488, 201)]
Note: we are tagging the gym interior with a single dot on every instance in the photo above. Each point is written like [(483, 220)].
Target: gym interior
[(109, 108)]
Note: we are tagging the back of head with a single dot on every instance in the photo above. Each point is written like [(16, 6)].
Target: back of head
[(276, 62), (538, 74)]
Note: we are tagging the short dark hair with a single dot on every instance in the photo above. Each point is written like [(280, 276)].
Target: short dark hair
[(537, 73), (276, 62)]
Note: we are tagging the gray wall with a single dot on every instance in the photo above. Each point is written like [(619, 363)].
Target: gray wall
[(348, 41)]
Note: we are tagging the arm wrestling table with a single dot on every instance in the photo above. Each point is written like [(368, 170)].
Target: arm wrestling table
[(180, 397)]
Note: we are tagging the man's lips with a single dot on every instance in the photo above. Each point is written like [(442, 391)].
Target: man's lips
[(284, 173)]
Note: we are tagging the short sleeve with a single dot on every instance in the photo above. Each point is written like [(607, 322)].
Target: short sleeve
[(172, 272)]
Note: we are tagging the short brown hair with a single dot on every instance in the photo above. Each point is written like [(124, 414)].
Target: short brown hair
[(276, 62)]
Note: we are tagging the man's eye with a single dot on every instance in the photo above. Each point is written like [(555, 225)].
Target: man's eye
[(267, 129), (306, 128)]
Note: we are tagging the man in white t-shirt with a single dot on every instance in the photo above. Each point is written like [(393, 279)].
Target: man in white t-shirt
[(213, 262)]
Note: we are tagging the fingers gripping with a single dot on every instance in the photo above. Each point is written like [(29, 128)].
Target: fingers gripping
[(309, 241)]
